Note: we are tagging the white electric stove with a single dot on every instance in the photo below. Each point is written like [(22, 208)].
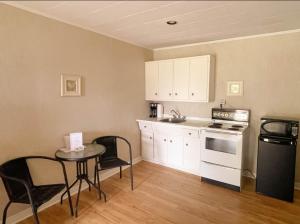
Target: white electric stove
[(223, 143)]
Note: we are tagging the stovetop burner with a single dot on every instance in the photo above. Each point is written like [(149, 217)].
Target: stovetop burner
[(233, 128), (224, 126), (236, 126), (216, 125)]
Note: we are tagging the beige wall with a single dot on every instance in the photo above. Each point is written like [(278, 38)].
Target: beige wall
[(34, 51), (270, 69)]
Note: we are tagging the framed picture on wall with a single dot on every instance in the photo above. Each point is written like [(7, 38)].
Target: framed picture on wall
[(70, 85)]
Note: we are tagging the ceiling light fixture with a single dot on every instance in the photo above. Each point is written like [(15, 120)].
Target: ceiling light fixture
[(171, 22)]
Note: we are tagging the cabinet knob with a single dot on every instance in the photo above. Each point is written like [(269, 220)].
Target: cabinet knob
[(155, 94), (176, 94), (145, 126), (187, 144), (171, 141), (170, 94), (192, 94), (150, 137), (165, 140), (190, 133)]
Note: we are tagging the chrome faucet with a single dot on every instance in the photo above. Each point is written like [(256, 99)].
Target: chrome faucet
[(175, 113)]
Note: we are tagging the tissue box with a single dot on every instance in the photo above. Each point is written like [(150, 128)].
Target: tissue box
[(74, 141)]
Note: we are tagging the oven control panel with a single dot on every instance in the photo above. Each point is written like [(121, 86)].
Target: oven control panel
[(230, 114)]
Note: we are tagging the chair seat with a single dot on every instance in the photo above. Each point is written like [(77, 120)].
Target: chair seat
[(41, 194), (112, 163)]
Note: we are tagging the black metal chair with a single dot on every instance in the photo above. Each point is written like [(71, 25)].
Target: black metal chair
[(110, 158), (20, 188)]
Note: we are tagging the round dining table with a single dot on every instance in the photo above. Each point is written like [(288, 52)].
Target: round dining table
[(90, 151)]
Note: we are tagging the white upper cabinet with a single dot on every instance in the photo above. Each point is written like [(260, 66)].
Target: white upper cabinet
[(181, 79), (151, 79), (165, 82), (200, 86)]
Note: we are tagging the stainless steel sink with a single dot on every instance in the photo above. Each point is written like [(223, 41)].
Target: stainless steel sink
[(173, 120)]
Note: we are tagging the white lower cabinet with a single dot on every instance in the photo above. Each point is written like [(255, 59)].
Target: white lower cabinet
[(147, 146), (161, 149), (168, 150), (175, 152), (176, 148), (191, 155)]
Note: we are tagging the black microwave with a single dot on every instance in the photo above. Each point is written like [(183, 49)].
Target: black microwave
[(279, 127)]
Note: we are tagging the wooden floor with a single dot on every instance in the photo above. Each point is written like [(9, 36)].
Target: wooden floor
[(167, 196)]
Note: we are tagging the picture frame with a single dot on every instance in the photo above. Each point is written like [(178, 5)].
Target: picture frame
[(235, 88), (70, 85)]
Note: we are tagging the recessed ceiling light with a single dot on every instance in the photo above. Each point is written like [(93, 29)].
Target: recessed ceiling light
[(171, 22)]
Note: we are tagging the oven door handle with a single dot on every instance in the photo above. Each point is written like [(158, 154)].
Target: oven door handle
[(220, 132)]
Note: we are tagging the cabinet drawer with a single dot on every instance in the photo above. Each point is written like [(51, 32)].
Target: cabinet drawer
[(167, 129), (192, 133), (220, 173), (145, 126)]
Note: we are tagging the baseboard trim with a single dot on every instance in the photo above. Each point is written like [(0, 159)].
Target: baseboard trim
[(297, 186), (248, 174), (18, 217)]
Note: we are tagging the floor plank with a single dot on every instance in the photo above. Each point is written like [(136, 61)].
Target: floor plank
[(166, 196)]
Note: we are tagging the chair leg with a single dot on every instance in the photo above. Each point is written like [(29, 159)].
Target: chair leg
[(120, 172), (35, 216), (89, 186), (5, 212), (131, 176), (95, 170)]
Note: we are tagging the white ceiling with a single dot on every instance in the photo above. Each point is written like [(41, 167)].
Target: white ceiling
[(144, 22)]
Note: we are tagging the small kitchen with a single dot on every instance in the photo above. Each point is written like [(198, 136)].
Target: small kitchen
[(209, 102), (168, 112)]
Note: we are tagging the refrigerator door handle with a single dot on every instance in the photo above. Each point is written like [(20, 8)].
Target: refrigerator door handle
[(271, 140), (277, 141)]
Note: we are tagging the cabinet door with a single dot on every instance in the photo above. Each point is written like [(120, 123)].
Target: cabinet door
[(151, 80), (175, 152), (147, 146), (161, 149), (181, 79), (191, 155), (165, 86), (199, 79)]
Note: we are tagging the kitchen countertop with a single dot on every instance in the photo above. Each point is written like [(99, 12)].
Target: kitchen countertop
[(190, 122)]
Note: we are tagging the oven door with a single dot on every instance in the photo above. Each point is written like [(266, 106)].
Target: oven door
[(222, 148)]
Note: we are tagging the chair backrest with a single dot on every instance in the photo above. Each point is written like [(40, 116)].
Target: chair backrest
[(16, 168), (110, 143)]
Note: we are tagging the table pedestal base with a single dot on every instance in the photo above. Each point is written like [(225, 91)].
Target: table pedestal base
[(82, 175)]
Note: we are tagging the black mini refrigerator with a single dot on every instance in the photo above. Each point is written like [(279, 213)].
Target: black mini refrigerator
[(276, 158)]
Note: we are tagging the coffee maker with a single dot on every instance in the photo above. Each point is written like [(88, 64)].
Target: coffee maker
[(156, 110), (153, 110)]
